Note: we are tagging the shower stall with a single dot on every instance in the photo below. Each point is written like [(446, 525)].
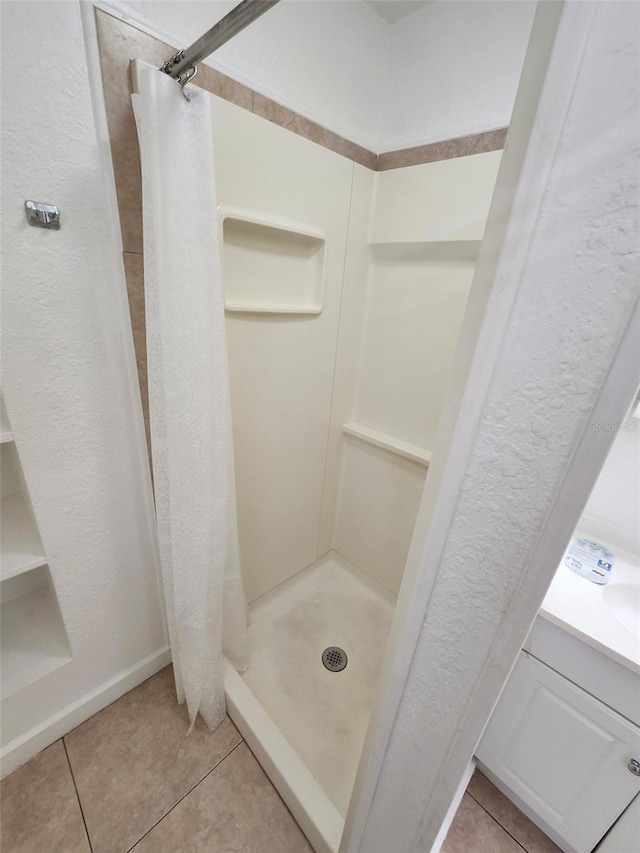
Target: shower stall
[(345, 289), (345, 279)]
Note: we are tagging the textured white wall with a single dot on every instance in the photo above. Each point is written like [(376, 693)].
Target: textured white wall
[(325, 59), (64, 349), (453, 69)]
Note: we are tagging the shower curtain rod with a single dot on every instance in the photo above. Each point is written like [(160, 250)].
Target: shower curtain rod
[(182, 65)]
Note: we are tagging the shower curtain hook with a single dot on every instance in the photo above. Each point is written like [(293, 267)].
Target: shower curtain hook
[(189, 74)]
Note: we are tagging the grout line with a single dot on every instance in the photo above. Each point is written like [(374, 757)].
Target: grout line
[(73, 779), (493, 817), (217, 764)]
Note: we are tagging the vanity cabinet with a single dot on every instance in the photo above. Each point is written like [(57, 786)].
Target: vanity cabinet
[(561, 755)]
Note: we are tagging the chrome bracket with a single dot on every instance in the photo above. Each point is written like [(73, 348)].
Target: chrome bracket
[(185, 76), (42, 215), (172, 62)]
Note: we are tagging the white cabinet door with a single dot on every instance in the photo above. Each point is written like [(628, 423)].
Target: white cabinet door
[(562, 753)]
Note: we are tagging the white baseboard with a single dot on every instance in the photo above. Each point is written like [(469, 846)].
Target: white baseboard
[(453, 808), (21, 749)]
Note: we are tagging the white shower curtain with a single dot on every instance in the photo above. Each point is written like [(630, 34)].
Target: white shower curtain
[(189, 392)]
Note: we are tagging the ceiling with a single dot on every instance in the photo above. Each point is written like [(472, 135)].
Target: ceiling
[(394, 10)]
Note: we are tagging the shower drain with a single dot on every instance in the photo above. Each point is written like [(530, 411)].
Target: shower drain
[(334, 658)]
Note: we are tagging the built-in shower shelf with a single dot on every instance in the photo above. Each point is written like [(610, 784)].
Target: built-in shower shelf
[(5, 435), (387, 442), (270, 267)]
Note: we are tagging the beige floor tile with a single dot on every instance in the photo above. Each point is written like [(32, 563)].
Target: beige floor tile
[(133, 761), (236, 808), (474, 831), (512, 819), (40, 809)]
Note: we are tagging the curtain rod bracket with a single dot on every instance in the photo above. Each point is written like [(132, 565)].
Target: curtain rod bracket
[(168, 66), (182, 65), (187, 73)]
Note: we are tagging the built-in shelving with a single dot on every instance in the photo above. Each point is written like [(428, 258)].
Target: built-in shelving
[(387, 442), (21, 549), (33, 639), (20, 546)]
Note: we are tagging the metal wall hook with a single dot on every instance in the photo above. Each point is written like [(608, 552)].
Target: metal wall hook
[(42, 215)]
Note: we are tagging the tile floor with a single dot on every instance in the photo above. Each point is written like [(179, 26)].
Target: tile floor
[(487, 822), (129, 779)]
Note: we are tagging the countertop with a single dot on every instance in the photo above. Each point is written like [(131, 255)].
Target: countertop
[(606, 617)]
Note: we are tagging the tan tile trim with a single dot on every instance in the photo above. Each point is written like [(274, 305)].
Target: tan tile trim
[(112, 30), (462, 146), (134, 275), (284, 117), (119, 41)]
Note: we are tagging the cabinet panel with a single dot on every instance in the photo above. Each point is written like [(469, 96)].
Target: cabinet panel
[(562, 753)]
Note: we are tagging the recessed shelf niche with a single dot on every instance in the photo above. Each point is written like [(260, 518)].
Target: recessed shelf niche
[(20, 545), (33, 639), (269, 268)]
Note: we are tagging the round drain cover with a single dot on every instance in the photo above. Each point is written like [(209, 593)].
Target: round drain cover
[(334, 658)]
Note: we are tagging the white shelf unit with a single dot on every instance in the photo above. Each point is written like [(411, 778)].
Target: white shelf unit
[(33, 639), (20, 546)]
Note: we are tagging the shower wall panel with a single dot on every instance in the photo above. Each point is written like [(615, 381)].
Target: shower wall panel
[(426, 227), (282, 345)]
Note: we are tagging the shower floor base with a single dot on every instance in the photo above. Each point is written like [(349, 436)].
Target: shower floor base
[(322, 714)]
